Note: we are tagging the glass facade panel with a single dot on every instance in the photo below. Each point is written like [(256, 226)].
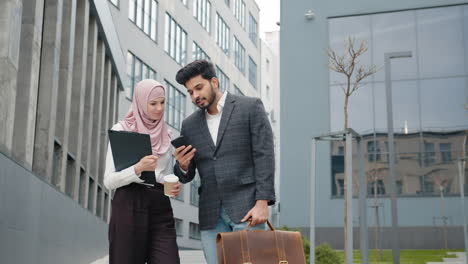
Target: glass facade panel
[(194, 185), (223, 80), (137, 70), (194, 231), (394, 32), (222, 34), (179, 227), (253, 29), (442, 104), (145, 16), (239, 12), (202, 13), (198, 53), (360, 114), (252, 72), (176, 41), (237, 90), (356, 27), (239, 55), (429, 96), (440, 42), (131, 10), (175, 107)]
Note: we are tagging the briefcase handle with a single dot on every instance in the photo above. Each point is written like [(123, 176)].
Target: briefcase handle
[(268, 223)]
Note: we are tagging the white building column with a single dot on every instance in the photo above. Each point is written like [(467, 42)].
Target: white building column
[(78, 94), (10, 29), (28, 82), (64, 94), (48, 85)]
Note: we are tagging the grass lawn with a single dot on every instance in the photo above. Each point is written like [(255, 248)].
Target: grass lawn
[(406, 256)]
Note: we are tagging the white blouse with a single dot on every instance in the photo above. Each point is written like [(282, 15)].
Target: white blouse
[(115, 179)]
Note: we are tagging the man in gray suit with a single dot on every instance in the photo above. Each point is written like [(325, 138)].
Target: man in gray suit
[(231, 144)]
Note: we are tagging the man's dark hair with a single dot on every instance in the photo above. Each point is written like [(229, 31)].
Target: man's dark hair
[(195, 68)]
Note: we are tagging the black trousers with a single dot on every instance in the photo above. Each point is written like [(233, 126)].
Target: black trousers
[(141, 228)]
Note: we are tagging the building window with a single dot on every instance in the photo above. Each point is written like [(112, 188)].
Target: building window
[(198, 53), (175, 106), (340, 150), (429, 154), (185, 2), (176, 41), (202, 13), (223, 80), (253, 29), (374, 186), (426, 185), (394, 150), (115, 2), (222, 34), (446, 152), (252, 72), (239, 55), (194, 231), (194, 195), (399, 186), (340, 186), (237, 91), (373, 151), (179, 227), (144, 13), (228, 2), (268, 65), (137, 70), (180, 197), (239, 12), (268, 91)]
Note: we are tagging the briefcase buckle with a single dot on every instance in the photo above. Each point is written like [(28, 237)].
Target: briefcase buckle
[(283, 262)]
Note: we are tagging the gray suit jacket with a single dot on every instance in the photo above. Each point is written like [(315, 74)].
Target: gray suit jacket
[(240, 168)]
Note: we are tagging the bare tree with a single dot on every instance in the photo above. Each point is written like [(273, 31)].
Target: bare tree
[(348, 65)]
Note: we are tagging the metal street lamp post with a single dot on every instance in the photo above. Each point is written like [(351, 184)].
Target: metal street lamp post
[(391, 150)]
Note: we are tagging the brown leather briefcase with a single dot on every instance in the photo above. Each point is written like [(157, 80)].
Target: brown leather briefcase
[(260, 247)]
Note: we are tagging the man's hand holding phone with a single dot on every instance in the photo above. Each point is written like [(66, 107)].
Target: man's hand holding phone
[(183, 153)]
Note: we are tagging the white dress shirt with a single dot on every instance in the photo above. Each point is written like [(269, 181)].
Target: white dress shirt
[(115, 179), (213, 121)]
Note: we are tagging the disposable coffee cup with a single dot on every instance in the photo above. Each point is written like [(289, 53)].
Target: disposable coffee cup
[(169, 182)]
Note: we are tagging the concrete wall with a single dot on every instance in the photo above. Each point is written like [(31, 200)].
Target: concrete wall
[(305, 113), (61, 68), (39, 224)]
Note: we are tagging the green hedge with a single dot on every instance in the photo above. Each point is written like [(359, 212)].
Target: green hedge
[(324, 253)]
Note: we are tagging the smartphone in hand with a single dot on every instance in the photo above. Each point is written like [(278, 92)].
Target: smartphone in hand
[(180, 141)]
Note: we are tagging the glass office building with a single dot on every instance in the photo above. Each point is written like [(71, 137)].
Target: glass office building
[(429, 97), (430, 117)]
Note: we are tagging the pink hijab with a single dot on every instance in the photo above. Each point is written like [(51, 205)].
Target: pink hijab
[(137, 119)]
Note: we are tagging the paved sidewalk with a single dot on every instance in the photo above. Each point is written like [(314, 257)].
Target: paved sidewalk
[(192, 257), (186, 257)]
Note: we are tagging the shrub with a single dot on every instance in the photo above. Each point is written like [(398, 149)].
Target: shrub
[(324, 253)]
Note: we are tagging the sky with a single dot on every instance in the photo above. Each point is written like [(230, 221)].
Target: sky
[(269, 15)]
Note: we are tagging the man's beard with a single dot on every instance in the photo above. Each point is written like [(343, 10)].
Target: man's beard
[(210, 100)]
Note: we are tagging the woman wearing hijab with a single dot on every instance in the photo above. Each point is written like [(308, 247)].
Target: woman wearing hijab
[(141, 228)]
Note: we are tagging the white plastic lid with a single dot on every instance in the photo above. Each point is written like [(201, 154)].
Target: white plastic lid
[(171, 178)]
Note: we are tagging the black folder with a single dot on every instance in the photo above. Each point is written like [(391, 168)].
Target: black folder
[(127, 150)]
